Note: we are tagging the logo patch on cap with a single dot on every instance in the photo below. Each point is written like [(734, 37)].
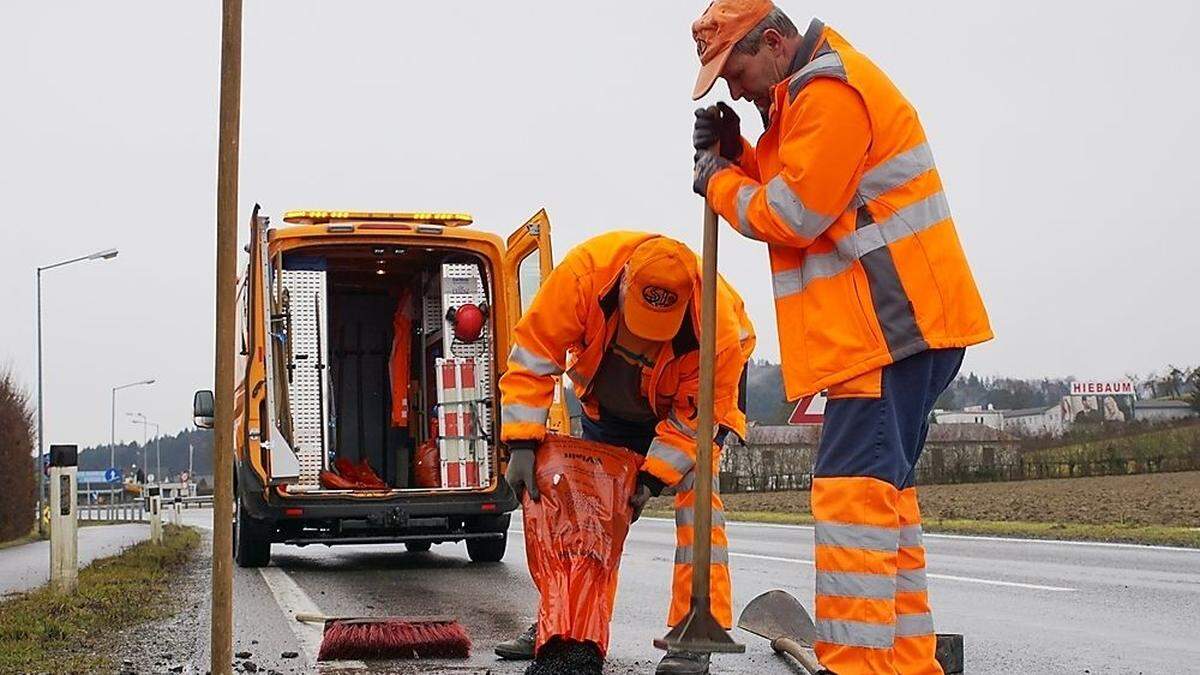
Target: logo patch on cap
[(659, 298)]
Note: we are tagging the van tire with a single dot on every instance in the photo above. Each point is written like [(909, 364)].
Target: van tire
[(418, 546), (251, 538), (487, 550)]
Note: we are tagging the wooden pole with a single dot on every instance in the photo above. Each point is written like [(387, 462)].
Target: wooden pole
[(221, 652), (702, 537)]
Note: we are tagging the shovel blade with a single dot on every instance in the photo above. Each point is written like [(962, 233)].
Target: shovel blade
[(777, 614)]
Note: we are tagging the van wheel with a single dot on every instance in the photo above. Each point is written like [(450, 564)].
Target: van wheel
[(487, 550), (251, 538), (418, 546)]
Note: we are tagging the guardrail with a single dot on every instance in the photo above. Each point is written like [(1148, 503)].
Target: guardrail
[(117, 512)]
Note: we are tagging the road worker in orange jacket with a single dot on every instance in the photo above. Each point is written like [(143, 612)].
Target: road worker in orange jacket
[(874, 300), (620, 316)]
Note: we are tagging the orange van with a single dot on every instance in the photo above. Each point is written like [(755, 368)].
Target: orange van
[(366, 407)]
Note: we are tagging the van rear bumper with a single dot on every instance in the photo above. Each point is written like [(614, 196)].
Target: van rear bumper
[(347, 520)]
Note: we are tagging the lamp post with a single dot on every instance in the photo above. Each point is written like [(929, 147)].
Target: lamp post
[(112, 429), (41, 443), (139, 418)]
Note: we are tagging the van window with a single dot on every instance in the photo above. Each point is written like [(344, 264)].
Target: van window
[(529, 278)]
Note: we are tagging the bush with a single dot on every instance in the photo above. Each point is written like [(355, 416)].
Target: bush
[(18, 484)]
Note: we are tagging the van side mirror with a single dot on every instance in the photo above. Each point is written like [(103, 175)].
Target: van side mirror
[(202, 409)]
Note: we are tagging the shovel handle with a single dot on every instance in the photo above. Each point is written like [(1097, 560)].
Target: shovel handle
[(801, 653)]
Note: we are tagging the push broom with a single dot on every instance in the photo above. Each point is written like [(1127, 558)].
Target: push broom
[(390, 637)]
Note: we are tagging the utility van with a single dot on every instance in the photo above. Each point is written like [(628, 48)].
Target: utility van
[(366, 408)]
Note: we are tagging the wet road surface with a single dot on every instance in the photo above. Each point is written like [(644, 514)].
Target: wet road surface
[(1024, 606)]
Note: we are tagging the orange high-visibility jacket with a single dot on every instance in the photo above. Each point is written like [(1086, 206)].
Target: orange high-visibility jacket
[(570, 325), (866, 265)]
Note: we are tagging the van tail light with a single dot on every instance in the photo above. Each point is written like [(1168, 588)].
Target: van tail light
[(487, 506), (294, 512)]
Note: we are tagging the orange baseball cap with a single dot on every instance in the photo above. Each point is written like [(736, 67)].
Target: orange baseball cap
[(718, 30), (660, 278)]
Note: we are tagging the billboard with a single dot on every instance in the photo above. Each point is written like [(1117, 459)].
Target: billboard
[(1102, 388)]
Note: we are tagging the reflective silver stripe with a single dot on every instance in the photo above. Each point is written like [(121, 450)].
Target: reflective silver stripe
[(896, 171), (856, 585), (682, 428), (786, 282), (907, 221), (856, 633), (911, 581), (801, 220), (745, 334), (683, 555), (910, 625), (538, 365), (910, 535), (515, 413), (826, 65), (673, 456), (744, 195), (578, 378), (686, 515), (857, 536), (688, 482)]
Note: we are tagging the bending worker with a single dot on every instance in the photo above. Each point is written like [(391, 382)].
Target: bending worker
[(620, 315), (873, 297)]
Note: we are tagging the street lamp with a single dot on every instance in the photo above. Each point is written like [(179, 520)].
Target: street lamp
[(98, 255), (112, 441), (140, 418)]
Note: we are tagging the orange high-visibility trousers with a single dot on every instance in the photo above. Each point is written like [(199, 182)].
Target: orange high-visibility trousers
[(872, 609), (720, 585)]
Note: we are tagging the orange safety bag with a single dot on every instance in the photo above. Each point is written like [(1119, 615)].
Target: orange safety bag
[(575, 533)]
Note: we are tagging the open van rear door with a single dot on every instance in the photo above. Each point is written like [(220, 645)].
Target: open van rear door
[(528, 260), (284, 464)]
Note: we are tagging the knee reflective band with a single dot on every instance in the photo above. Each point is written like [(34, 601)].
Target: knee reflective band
[(720, 587), (916, 643), (857, 543)]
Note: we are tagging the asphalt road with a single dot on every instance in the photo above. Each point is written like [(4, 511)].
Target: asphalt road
[(1024, 606), (28, 566)]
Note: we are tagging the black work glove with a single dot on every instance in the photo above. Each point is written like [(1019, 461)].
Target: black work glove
[(718, 124), (647, 486), (708, 163), (520, 473)]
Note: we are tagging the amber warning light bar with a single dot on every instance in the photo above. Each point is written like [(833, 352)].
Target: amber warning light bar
[(418, 218)]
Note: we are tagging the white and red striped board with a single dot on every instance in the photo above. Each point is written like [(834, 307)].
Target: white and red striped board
[(809, 410), (464, 460)]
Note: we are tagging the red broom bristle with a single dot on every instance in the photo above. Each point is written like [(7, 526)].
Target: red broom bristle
[(391, 639)]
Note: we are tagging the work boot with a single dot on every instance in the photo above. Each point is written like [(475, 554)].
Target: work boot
[(519, 648), (683, 663)]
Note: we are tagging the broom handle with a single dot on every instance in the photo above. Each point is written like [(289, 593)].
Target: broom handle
[(304, 617), (702, 532)]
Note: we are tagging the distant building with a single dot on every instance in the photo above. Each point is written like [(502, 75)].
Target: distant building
[(1040, 421), (974, 414), (1163, 410), (782, 457)]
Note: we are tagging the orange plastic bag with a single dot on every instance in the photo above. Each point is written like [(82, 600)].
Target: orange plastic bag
[(575, 533), (427, 465)]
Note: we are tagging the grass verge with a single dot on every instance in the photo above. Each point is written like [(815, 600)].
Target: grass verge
[(1161, 535), (46, 632)]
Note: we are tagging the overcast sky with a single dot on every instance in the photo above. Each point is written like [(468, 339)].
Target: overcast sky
[(1065, 134)]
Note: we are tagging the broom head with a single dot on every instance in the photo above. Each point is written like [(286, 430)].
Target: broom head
[(394, 638)]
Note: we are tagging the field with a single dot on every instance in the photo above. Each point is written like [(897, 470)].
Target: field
[(1159, 508)]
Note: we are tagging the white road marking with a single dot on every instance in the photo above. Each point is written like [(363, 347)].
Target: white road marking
[(293, 600), (948, 577), (971, 537)]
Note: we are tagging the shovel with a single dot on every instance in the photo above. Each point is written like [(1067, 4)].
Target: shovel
[(780, 618)]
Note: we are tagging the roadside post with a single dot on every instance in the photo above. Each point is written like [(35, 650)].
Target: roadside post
[(177, 504), (154, 495), (64, 533), (221, 621)]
